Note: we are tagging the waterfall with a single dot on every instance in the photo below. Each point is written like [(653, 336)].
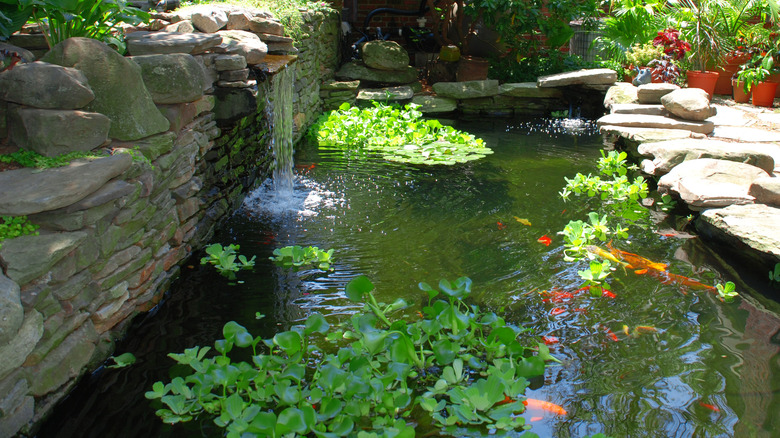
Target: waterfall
[(281, 113)]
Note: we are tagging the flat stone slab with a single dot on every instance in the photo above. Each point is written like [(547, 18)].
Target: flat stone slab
[(243, 43), (709, 183), (752, 135), (635, 108), (667, 154), (29, 191), (652, 93), (595, 76), (153, 43), (641, 135), (467, 89), (645, 121), (392, 94), (753, 227), (529, 90), (44, 85), (729, 116), (435, 104), (340, 85)]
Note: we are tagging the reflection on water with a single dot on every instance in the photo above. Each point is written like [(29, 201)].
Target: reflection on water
[(705, 369)]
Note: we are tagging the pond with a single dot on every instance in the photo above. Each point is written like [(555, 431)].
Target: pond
[(696, 367)]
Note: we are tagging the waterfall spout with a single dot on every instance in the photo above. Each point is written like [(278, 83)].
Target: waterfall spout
[(281, 102)]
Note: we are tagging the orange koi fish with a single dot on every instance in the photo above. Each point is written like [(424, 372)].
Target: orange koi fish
[(595, 250), (669, 278), (545, 240), (645, 329), (550, 340), (501, 226), (557, 311), (636, 261), (531, 403), (536, 418), (713, 408), (610, 334), (608, 294)]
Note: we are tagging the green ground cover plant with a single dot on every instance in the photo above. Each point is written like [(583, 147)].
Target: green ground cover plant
[(397, 134), (458, 366), (15, 226)]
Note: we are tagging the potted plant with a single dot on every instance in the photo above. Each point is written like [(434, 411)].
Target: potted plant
[(700, 23), (754, 75), (666, 68)]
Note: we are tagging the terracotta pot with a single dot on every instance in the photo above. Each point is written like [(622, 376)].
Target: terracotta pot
[(775, 78), (764, 94), (472, 69), (727, 70), (704, 80), (738, 91)]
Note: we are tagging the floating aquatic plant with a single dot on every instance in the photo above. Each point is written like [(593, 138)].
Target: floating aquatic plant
[(397, 134)]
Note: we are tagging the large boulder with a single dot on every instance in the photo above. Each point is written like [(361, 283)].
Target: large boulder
[(119, 88), (384, 55), (357, 70), (467, 89), (266, 25), (246, 44), (658, 122), (595, 76), (667, 154), (47, 86), (41, 130), (209, 20), (708, 183), (748, 230), (172, 78), (620, 93), (766, 190), (689, 104), (652, 93)]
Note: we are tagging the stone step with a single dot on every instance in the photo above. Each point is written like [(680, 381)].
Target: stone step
[(667, 154), (648, 121), (634, 108), (749, 230)]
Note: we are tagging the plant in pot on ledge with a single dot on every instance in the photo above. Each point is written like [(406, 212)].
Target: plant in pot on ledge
[(700, 24), (753, 77)]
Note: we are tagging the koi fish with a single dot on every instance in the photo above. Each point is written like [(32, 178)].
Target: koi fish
[(645, 329), (713, 408), (545, 240), (669, 278), (625, 329), (536, 418), (550, 340), (640, 271), (557, 311), (523, 221), (501, 226), (610, 334), (532, 403), (607, 294), (595, 250), (636, 261)]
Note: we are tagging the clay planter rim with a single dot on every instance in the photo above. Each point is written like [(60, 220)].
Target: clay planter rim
[(472, 68), (704, 80)]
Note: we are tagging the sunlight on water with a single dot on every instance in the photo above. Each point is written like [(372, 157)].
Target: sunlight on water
[(304, 199)]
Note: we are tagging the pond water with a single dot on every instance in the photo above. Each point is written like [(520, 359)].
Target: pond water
[(707, 369)]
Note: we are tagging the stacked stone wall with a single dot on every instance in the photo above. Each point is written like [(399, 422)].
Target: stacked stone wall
[(167, 169)]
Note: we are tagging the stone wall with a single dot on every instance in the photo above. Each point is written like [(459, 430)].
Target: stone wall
[(177, 138)]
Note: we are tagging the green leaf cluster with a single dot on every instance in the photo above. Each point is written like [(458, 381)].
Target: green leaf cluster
[(727, 292), (63, 19), (33, 159), (399, 135), (297, 257), (15, 226), (226, 260), (457, 365)]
